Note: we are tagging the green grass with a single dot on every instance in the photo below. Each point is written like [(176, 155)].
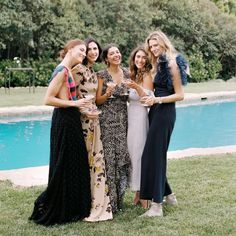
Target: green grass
[(22, 97), (205, 188)]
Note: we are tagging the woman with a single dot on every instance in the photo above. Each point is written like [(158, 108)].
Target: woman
[(68, 196), (169, 69), (113, 121), (101, 207), (140, 85)]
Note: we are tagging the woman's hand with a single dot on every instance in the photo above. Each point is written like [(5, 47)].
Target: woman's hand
[(109, 91), (82, 103), (148, 100)]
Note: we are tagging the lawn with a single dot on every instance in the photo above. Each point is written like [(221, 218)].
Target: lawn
[(205, 188), (22, 96)]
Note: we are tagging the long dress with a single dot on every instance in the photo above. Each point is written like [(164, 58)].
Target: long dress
[(114, 122), (138, 125), (67, 197), (101, 207), (154, 184)]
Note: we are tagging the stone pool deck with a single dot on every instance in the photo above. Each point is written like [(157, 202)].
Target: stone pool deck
[(34, 176)]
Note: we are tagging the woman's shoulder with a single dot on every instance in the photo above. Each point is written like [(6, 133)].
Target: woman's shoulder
[(126, 71), (60, 69), (79, 68), (102, 74)]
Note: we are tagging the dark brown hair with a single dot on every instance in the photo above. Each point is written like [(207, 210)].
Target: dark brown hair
[(106, 49), (135, 74), (87, 42)]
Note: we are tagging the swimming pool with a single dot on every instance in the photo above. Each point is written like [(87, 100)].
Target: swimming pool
[(25, 143)]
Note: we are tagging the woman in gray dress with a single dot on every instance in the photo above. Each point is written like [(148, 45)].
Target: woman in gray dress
[(112, 100), (140, 85)]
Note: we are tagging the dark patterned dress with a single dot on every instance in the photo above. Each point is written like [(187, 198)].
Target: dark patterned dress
[(101, 206), (154, 184), (114, 123), (68, 195)]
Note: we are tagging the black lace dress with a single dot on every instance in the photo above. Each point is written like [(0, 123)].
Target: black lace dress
[(67, 197)]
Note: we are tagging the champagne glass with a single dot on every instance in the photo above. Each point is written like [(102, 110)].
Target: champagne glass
[(143, 101), (112, 85), (89, 97), (126, 82)]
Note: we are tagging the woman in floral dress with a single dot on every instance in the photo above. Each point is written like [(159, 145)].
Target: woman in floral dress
[(114, 123), (101, 208)]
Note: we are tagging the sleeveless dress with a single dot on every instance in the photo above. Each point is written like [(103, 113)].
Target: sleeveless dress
[(101, 207), (154, 184), (114, 122), (68, 195), (138, 125)]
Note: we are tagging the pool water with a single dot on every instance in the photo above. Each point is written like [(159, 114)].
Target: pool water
[(26, 143)]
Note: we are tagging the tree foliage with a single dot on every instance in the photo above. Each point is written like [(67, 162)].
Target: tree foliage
[(203, 30)]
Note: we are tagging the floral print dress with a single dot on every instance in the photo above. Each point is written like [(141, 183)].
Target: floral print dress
[(101, 207)]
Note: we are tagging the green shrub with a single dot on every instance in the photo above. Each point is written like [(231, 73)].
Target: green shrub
[(42, 71)]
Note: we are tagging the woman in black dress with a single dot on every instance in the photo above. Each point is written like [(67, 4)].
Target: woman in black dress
[(68, 196), (169, 76)]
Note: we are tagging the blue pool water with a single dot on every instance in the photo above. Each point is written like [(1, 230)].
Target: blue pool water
[(26, 143)]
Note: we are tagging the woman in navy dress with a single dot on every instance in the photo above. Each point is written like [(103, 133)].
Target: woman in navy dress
[(169, 75)]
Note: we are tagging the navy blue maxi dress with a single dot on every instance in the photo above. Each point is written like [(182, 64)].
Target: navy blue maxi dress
[(154, 184)]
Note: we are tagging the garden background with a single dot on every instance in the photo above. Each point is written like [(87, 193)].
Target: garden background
[(33, 32)]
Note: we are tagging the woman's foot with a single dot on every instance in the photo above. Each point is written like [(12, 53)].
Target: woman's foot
[(136, 200), (144, 203), (171, 200), (155, 210)]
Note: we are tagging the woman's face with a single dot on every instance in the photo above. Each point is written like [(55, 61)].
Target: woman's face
[(92, 52), (155, 47), (78, 53), (140, 59), (114, 56)]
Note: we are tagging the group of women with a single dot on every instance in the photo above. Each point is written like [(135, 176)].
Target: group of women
[(103, 139)]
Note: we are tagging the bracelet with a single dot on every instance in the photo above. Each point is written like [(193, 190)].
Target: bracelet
[(159, 100)]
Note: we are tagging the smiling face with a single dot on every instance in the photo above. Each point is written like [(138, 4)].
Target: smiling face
[(140, 59), (155, 47), (78, 53), (92, 52), (114, 56)]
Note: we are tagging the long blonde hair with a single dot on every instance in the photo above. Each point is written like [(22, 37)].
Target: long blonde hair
[(164, 43)]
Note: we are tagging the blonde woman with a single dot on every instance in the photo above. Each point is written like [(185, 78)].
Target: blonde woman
[(169, 70)]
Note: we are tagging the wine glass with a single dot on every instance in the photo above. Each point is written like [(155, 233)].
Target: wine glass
[(126, 82), (89, 97), (112, 85), (143, 101)]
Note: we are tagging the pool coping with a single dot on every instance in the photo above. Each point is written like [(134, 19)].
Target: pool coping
[(34, 176)]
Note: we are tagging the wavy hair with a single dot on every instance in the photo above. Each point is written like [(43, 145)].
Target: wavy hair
[(135, 73), (164, 43)]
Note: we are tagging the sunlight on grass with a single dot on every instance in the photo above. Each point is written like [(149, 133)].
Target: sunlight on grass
[(205, 188)]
